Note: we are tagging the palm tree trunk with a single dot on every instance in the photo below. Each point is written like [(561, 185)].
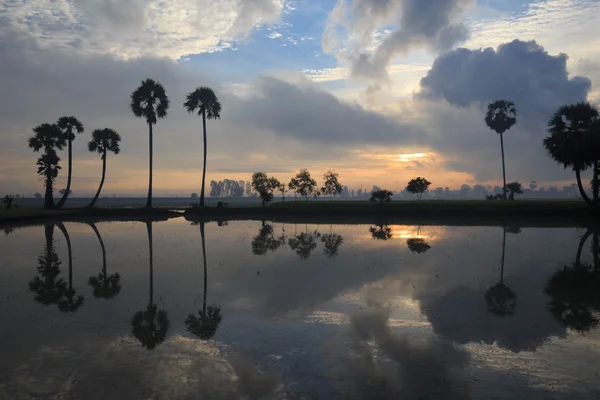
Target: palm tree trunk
[(149, 200), (581, 188), (48, 197), (95, 229), (582, 241), (68, 189), (149, 229), (65, 233), (596, 182), (503, 251), (93, 203), (49, 233), (205, 270), (595, 250), (503, 166), (204, 167)]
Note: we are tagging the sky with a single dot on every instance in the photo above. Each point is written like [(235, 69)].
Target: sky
[(381, 91)]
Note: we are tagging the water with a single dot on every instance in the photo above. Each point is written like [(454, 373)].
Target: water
[(297, 312)]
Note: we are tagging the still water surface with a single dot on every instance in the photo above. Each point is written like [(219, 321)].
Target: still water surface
[(280, 311)]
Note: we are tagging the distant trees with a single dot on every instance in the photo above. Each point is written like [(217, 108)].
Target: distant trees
[(303, 185), (194, 196), (501, 116), (439, 192), (283, 189), (63, 191), (264, 186), (514, 188), (49, 138), (331, 186), (149, 101), (573, 141), (103, 141), (533, 185), (205, 101), (381, 195), (418, 186), (37, 195), (68, 126)]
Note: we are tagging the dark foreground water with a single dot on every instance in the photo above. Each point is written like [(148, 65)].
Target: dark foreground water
[(298, 312)]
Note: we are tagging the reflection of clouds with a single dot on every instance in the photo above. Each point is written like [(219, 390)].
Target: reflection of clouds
[(180, 369)]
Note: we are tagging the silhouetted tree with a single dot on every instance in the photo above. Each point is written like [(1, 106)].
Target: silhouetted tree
[(149, 101), (302, 184), (205, 101), (418, 245), (68, 126), (381, 232), (265, 240), (207, 322), (331, 185), (70, 302), (150, 326), (9, 201), (500, 299), (332, 243), (501, 116), (49, 289), (569, 141), (50, 138), (303, 244), (418, 186), (381, 196), (283, 189), (104, 286), (514, 188), (264, 186), (103, 141)]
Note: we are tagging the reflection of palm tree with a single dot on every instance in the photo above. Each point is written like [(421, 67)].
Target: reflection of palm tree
[(48, 289), (104, 286), (575, 292), (207, 322), (265, 241), (332, 242), (303, 244), (70, 302), (381, 232), (150, 326), (501, 300)]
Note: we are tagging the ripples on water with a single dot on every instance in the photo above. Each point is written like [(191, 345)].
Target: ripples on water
[(270, 310)]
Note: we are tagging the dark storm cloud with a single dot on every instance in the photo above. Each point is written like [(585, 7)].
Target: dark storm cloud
[(427, 24), (520, 71), (306, 113)]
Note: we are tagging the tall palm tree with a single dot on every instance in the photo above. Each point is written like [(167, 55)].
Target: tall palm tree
[(207, 322), (568, 142), (500, 298), (103, 141), (149, 101), (68, 127), (49, 290), (150, 326), (205, 101), (501, 116), (71, 302), (48, 137), (104, 286)]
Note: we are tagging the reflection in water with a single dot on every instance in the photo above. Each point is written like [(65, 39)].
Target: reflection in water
[(150, 326), (7, 230), (49, 290), (104, 286), (381, 232), (70, 302), (332, 243), (575, 291), (418, 244), (501, 300), (304, 243), (207, 322), (265, 240)]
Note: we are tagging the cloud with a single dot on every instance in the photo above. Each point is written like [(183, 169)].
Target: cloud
[(523, 72), (359, 32), (137, 28)]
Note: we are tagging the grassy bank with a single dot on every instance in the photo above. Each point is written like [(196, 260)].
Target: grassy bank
[(450, 212)]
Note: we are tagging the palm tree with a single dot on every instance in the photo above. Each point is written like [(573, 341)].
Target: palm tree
[(48, 137), (104, 286), (149, 101), (205, 101), (501, 116), (207, 322), (568, 142), (49, 290), (70, 302), (68, 127), (103, 141), (500, 298), (150, 326)]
